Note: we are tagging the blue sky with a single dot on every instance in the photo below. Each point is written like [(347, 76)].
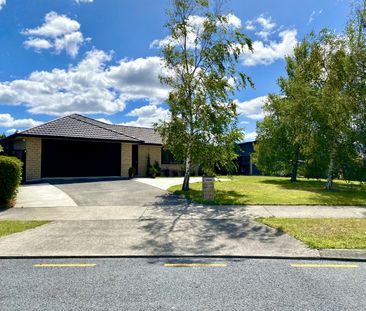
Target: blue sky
[(96, 57)]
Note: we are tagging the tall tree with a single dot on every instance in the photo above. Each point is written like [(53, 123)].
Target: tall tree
[(284, 131), (200, 62), (334, 105), (356, 36)]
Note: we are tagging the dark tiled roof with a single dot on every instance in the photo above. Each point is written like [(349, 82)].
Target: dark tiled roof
[(148, 135), (78, 126)]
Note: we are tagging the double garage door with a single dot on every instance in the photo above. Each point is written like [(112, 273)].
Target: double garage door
[(70, 158)]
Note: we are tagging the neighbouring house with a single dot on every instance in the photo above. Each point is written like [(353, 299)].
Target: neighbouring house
[(77, 146), (244, 160)]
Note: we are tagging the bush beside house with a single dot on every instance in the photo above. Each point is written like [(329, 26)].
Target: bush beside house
[(10, 178)]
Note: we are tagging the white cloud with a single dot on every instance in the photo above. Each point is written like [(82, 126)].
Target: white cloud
[(267, 26), (104, 120), (83, 1), (139, 79), (6, 120), (147, 115), (2, 3), (58, 32), (264, 23), (233, 20), (249, 25), (251, 136), (70, 43), (313, 15), (267, 53), (10, 132), (38, 44), (252, 109), (195, 24), (90, 87)]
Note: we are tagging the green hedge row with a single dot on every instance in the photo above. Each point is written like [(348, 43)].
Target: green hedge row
[(10, 177)]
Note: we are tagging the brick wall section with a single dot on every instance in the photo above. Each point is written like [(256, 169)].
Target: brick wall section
[(126, 158), (144, 151), (33, 159)]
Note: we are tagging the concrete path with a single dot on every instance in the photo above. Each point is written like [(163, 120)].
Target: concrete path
[(166, 183), (41, 195), (172, 207)]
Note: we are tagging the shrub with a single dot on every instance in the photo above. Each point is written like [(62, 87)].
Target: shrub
[(10, 177), (153, 171), (148, 166), (157, 167), (166, 172), (131, 172)]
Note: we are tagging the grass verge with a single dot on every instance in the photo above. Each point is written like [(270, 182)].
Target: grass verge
[(9, 226), (264, 190), (344, 233)]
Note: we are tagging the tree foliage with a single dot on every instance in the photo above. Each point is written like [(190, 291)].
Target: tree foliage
[(200, 59), (318, 122)]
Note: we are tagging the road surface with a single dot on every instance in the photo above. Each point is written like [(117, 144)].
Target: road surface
[(181, 284)]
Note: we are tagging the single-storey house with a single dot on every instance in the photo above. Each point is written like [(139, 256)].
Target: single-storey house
[(78, 146)]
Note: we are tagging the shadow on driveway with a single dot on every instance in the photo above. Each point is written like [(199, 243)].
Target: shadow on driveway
[(186, 228)]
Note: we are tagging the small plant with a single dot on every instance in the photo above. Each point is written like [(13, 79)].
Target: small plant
[(153, 171), (148, 165), (158, 168), (166, 172), (131, 172)]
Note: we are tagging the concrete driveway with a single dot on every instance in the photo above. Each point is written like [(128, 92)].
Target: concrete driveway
[(111, 193), (91, 192)]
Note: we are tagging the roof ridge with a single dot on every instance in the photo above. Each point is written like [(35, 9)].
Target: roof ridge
[(140, 127), (107, 129)]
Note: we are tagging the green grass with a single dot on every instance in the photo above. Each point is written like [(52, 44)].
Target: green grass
[(263, 190), (9, 226), (342, 233)]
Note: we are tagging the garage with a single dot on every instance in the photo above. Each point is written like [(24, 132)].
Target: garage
[(78, 146), (77, 158)]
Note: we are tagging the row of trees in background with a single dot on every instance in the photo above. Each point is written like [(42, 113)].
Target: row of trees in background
[(316, 126)]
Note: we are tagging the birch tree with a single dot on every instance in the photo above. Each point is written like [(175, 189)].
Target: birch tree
[(200, 58)]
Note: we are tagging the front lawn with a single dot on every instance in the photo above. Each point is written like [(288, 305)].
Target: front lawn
[(9, 226), (342, 233), (264, 190)]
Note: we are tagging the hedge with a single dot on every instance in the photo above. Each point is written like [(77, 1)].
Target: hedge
[(10, 177)]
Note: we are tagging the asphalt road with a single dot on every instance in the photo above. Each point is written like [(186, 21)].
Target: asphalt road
[(151, 284)]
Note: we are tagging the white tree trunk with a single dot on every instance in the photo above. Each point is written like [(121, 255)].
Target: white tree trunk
[(187, 174), (329, 184)]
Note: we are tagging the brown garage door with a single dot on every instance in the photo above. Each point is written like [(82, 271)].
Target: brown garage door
[(71, 158)]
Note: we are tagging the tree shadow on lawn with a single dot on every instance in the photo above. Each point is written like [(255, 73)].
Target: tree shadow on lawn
[(231, 197), (343, 194), (184, 230)]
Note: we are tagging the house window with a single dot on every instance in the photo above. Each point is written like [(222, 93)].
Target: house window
[(168, 158)]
